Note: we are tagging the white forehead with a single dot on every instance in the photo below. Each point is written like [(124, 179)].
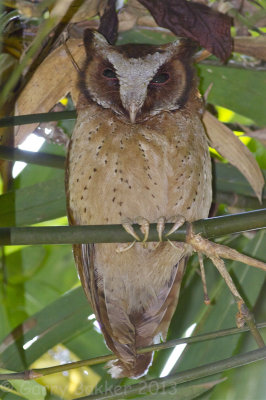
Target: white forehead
[(137, 71)]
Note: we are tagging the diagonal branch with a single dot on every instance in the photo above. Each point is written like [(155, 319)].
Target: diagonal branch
[(38, 372), (180, 377)]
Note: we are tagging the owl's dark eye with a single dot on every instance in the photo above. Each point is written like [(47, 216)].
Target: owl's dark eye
[(160, 78), (109, 73)]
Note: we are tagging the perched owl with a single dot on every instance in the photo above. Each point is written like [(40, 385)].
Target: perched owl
[(138, 149)]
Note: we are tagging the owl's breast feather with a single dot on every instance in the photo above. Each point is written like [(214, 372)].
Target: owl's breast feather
[(160, 167)]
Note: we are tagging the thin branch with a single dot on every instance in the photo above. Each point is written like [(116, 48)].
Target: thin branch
[(38, 372), (148, 386), (208, 228), (44, 159), (72, 115), (34, 118)]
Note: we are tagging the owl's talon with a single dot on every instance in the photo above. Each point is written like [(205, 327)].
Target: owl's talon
[(160, 228), (185, 249), (127, 225), (178, 220), (122, 247), (144, 227)]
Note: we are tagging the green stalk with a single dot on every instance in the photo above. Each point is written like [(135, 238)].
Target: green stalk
[(44, 159), (148, 386), (38, 372), (208, 228), (34, 118)]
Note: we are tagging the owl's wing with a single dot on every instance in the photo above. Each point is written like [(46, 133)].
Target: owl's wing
[(153, 324), (125, 333), (170, 304)]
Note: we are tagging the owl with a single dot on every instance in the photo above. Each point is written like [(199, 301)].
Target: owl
[(138, 149)]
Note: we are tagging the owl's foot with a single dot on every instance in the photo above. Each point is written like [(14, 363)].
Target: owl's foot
[(145, 227), (215, 252), (127, 225), (178, 221)]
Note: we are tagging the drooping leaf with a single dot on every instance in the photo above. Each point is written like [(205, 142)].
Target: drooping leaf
[(109, 22), (230, 147), (45, 89), (195, 21), (252, 46)]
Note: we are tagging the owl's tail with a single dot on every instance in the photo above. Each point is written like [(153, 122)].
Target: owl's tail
[(124, 334), (142, 329), (124, 331), (134, 369)]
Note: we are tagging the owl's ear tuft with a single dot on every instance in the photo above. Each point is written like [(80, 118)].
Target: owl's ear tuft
[(93, 39)]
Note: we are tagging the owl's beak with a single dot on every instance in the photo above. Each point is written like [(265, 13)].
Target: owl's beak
[(133, 109)]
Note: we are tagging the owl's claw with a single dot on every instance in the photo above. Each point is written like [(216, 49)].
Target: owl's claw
[(122, 247), (127, 225), (160, 228), (178, 220), (144, 227)]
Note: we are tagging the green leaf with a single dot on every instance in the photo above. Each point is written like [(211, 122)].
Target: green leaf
[(54, 324), (29, 390), (40, 202), (186, 391), (221, 313), (238, 89), (229, 179)]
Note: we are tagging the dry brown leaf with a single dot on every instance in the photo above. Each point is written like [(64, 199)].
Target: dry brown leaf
[(109, 22), (52, 80), (133, 13), (196, 21), (251, 46), (126, 20), (230, 147), (88, 9)]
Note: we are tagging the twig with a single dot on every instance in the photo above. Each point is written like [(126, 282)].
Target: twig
[(41, 117), (44, 159), (180, 377), (38, 372)]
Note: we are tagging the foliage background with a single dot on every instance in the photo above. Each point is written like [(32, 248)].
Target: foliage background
[(41, 302)]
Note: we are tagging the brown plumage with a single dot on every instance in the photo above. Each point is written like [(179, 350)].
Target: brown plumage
[(138, 149)]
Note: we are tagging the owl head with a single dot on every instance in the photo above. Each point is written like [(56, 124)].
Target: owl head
[(137, 81)]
